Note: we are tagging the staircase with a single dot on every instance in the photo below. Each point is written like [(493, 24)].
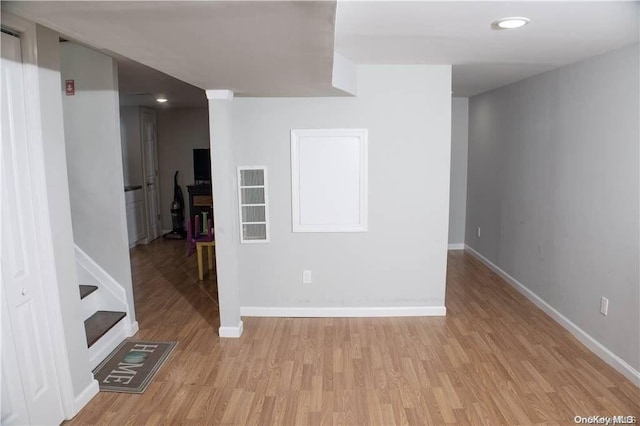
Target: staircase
[(104, 309), (100, 322), (104, 329)]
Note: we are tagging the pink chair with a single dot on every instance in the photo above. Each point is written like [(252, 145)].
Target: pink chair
[(195, 237)]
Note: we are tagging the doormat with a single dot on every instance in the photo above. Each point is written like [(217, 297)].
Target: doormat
[(132, 365)]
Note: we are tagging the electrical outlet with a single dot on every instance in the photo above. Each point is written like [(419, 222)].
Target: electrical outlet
[(478, 232), (604, 306), (306, 277)]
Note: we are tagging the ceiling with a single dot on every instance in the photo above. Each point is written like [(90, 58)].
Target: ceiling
[(459, 33), (279, 48), (254, 48), (141, 85)]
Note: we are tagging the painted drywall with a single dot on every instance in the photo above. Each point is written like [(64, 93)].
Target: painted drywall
[(94, 161), (41, 56), (401, 260), (553, 182), (180, 131), (131, 146), (225, 213), (458, 188)]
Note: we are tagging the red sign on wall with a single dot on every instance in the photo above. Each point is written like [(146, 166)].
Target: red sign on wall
[(70, 87)]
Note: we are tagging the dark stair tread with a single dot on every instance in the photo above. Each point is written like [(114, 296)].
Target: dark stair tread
[(99, 323), (86, 290)]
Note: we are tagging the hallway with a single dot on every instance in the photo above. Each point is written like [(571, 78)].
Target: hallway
[(165, 281), (494, 359)]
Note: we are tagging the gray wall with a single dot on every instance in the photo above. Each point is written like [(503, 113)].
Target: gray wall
[(458, 188), (225, 212), (554, 184), (180, 130), (131, 146), (401, 260), (94, 161)]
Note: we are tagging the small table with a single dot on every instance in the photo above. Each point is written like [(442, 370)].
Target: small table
[(209, 245), (200, 200)]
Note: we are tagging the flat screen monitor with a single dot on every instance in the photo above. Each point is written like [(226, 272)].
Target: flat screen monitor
[(202, 165)]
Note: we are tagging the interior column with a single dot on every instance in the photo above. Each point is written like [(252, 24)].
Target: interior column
[(225, 212)]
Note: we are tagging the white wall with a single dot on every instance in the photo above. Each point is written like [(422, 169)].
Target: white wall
[(401, 260), (180, 131), (554, 184), (94, 161), (131, 146), (458, 188), (225, 212)]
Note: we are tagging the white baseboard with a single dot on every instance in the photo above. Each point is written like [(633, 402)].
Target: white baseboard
[(132, 328), (84, 397), (592, 344), (343, 312), (232, 332), (457, 246)]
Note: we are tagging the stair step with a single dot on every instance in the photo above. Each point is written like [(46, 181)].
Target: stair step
[(86, 290), (99, 323)]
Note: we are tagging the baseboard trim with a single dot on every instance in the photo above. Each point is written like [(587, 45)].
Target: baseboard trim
[(344, 312), (457, 246), (592, 344), (84, 397), (132, 328), (231, 332)]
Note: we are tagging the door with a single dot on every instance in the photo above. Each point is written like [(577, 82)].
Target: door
[(150, 170), (134, 203), (30, 391), (14, 406)]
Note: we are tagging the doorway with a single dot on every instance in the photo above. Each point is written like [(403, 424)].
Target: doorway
[(30, 391), (148, 129)]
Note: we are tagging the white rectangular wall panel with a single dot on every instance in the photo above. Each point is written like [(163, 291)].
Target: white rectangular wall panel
[(329, 180)]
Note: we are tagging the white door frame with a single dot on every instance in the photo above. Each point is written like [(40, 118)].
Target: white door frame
[(28, 35), (23, 288), (148, 199)]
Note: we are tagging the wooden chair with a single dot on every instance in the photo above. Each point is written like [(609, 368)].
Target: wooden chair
[(195, 242)]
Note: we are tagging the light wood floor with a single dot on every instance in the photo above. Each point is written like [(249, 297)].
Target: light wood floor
[(494, 359)]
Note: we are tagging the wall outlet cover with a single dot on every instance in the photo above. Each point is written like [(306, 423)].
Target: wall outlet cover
[(604, 306)]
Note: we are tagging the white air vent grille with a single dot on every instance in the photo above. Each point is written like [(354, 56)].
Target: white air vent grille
[(253, 204)]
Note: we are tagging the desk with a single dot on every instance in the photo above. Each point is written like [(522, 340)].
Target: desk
[(200, 200), (209, 245)]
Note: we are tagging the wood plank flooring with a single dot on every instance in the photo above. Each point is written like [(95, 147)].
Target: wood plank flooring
[(495, 359)]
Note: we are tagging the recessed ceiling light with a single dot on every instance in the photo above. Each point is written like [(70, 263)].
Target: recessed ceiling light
[(509, 23), (162, 100)]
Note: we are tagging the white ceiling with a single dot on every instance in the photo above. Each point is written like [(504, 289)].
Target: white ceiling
[(141, 85), (459, 33), (267, 48), (252, 48)]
